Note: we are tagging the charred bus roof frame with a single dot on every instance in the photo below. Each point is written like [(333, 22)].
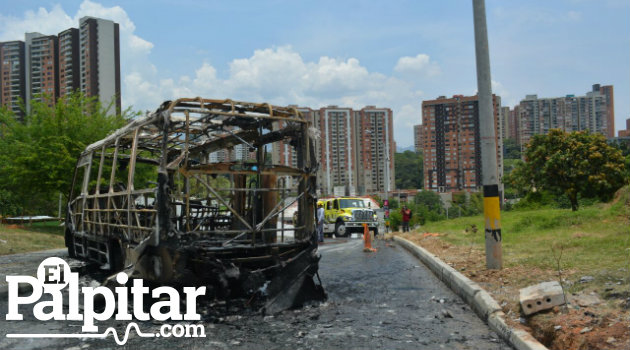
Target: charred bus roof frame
[(228, 239)]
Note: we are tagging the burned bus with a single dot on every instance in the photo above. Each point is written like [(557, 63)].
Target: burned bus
[(192, 194)]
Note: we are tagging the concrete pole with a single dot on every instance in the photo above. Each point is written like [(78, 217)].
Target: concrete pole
[(490, 178)]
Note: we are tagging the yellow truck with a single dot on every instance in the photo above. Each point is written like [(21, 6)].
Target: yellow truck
[(346, 215)]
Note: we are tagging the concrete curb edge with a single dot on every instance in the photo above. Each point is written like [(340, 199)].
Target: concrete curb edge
[(480, 300)]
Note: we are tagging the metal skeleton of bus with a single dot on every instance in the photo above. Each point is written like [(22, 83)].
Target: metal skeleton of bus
[(159, 196)]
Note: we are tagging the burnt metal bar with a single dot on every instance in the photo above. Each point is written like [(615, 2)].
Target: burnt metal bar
[(224, 202)]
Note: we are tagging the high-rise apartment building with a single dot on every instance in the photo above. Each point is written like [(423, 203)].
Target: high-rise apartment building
[(505, 122), (85, 59), (609, 98), (514, 125), (375, 148), (417, 138), (99, 55), (42, 80), (355, 149), (338, 159), (69, 63), (12, 76), (452, 151), (590, 112)]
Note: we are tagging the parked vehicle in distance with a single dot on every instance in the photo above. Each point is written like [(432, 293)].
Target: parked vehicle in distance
[(347, 215)]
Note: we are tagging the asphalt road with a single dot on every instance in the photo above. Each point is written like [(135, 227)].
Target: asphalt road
[(385, 299)]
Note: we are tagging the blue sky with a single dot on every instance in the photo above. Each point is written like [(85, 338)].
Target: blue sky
[(352, 53)]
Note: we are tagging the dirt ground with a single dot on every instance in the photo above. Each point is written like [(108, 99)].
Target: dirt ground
[(605, 324)]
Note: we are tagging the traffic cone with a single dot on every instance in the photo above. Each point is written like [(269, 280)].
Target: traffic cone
[(367, 240)]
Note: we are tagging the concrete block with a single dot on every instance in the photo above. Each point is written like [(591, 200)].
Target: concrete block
[(541, 296)]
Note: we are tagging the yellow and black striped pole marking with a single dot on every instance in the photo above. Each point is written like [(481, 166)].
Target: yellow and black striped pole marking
[(492, 215)]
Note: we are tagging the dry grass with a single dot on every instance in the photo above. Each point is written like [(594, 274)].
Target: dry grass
[(20, 239)]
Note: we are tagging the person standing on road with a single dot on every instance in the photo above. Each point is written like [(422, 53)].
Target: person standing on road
[(320, 222), (406, 216)]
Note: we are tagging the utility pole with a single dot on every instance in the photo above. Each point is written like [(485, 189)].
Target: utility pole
[(490, 178)]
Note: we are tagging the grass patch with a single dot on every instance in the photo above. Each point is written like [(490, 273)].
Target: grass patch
[(28, 238), (594, 238)]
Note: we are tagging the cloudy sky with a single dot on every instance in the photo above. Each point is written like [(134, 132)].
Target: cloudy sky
[(351, 53)]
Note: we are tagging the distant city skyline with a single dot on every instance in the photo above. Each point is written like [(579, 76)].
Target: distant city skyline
[(393, 54), (47, 66)]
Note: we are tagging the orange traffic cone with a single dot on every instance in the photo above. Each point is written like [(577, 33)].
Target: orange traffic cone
[(367, 240)]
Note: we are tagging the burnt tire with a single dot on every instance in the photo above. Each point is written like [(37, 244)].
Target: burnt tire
[(340, 229)]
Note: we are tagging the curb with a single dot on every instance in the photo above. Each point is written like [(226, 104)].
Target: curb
[(484, 305)]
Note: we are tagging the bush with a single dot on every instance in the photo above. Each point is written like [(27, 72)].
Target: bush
[(9, 205), (421, 214), (545, 199)]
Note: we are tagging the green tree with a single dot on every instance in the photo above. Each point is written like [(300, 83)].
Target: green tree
[(408, 168), (38, 155), (624, 146), (511, 149), (577, 164), (429, 199), (466, 205)]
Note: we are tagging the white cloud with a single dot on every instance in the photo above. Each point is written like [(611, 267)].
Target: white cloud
[(281, 76), (507, 99), (278, 75), (409, 115), (42, 21), (574, 15), (420, 64)]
